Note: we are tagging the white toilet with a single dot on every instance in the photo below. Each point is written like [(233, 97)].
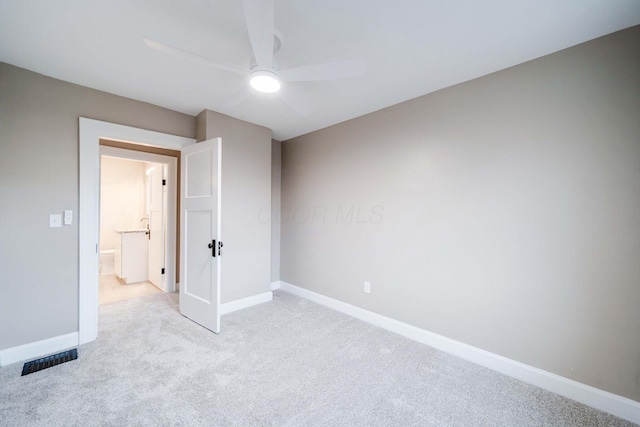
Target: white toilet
[(106, 262)]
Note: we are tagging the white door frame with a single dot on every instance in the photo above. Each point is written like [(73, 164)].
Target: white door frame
[(91, 131), (171, 207)]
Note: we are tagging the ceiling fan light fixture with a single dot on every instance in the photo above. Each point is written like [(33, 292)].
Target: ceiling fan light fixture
[(265, 81)]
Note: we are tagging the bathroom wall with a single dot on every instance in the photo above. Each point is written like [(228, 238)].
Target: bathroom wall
[(122, 197)]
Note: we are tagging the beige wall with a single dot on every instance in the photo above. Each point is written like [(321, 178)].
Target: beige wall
[(502, 212), (276, 172), (122, 197), (39, 176), (246, 202)]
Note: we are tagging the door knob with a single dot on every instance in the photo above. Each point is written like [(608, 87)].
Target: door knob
[(212, 246)]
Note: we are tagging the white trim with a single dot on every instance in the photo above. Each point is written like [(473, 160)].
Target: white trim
[(91, 131), (229, 307), (275, 285), (588, 395), (172, 205), (220, 311), (38, 349)]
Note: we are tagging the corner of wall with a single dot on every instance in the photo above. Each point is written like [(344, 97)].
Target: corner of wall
[(201, 126)]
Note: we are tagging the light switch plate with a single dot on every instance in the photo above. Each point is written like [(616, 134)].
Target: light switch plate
[(68, 217), (55, 220)]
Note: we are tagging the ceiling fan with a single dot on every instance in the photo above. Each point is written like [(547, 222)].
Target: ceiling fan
[(263, 70)]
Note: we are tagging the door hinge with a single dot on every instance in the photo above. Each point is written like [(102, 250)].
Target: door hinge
[(162, 271), (164, 182)]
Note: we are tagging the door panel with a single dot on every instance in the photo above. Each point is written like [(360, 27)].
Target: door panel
[(199, 165), (200, 226), (199, 265)]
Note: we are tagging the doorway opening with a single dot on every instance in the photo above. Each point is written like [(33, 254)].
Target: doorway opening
[(91, 136), (139, 216)]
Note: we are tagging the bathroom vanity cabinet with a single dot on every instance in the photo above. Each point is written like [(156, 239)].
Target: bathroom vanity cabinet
[(130, 259)]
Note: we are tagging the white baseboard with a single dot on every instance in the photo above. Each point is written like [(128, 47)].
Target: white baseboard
[(232, 306), (38, 349), (275, 285), (588, 395)]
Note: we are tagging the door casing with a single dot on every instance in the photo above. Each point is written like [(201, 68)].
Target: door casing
[(90, 133)]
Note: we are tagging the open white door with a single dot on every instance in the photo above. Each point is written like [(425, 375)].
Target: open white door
[(156, 201), (200, 233)]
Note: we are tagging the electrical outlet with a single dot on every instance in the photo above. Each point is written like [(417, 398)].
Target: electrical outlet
[(367, 287)]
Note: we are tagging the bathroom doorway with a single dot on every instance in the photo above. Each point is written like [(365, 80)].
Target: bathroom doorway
[(92, 135), (138, 221)]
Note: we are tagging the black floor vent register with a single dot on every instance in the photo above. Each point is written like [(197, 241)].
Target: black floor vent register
[(49, 361)]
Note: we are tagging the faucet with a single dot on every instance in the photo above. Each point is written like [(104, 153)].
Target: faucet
[(147, 218)]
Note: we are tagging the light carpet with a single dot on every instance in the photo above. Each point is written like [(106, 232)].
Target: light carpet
[(288, 362)]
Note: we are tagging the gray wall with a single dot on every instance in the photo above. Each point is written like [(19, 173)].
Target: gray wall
[(39, 176), (276, 172), (503, 212), (246, 203)]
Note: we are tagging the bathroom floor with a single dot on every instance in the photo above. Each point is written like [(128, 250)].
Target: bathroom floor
[(112, 289)]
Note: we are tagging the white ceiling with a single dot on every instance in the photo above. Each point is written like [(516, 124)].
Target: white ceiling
[(412, 47)]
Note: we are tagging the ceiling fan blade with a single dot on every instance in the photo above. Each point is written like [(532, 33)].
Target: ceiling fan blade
[(261, 27), (327, 71), (194, 57)]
